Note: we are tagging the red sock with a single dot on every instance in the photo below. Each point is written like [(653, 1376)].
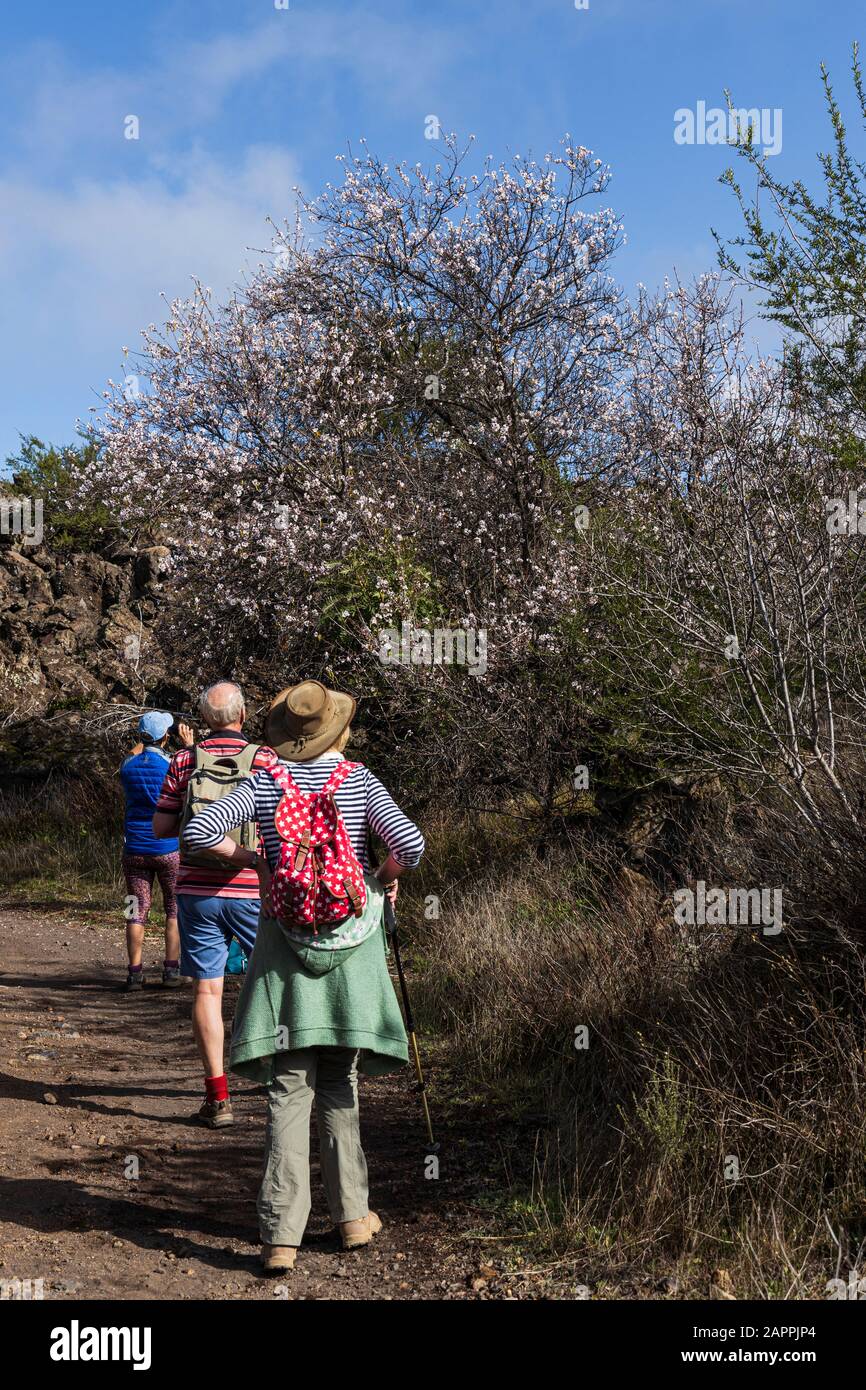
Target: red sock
[(216, 1087)]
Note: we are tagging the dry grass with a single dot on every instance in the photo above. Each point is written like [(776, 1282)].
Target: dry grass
[(62, 839), (717, 1115)]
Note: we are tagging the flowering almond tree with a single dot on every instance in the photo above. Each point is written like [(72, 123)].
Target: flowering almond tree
[(729, 600), (392, 422)]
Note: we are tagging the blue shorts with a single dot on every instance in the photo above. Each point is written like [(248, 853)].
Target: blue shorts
[(207, 926)]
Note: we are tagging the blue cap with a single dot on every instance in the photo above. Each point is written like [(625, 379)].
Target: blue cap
[(156, 723)]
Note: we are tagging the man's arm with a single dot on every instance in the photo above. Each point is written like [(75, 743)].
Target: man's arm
[(166, 822), (165, 825)]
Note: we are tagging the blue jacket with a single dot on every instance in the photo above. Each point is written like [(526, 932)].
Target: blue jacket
[(142, 777)]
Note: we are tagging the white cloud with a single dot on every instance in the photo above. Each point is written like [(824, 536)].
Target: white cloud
[(93, 227), (97, 240), (62, 108), (81, 269)]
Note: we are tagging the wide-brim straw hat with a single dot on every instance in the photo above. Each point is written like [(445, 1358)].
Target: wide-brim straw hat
[(305, 720)]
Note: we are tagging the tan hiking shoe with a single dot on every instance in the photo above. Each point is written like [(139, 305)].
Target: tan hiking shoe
[(216, 1114), (278, 1259), (354, 1234)]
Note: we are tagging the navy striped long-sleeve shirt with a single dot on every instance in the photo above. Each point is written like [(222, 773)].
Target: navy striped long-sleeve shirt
[(361, 800)]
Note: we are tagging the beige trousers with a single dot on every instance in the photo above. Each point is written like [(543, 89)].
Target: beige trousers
[(329, 1076)]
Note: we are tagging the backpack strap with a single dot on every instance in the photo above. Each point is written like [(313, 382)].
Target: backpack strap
[(337, 777), (242, 759), (283, 779), (246, 757)]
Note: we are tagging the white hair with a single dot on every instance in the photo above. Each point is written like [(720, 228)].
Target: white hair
[(227, 711)]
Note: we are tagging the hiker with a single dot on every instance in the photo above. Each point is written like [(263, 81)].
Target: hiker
[(317, 1004), (217, 900), (145, 855)]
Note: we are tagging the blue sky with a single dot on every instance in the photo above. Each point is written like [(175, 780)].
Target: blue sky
[(239, 101)]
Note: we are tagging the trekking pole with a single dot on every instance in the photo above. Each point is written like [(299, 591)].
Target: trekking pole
[(420, 1087)]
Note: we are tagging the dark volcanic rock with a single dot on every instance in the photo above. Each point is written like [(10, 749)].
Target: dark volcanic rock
[(76, 635)]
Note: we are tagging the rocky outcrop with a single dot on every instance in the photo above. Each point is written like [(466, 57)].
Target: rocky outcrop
[(77, 633)]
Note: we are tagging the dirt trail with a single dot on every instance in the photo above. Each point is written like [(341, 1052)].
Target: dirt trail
[(92, 1079)]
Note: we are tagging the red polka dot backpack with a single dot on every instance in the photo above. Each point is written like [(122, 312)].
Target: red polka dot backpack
[(318, 881)]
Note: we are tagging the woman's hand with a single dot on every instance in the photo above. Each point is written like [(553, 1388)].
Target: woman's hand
[(391, 891), (387, 874)]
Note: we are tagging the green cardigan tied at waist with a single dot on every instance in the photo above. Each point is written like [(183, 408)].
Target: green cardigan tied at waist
[(297, 996)]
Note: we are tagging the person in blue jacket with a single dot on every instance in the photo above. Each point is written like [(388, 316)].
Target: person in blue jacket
[(144, 856)]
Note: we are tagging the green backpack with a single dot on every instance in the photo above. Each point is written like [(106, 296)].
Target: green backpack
[(213, 776)]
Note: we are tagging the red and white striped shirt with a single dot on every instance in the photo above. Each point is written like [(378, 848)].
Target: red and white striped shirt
[(211, 880)]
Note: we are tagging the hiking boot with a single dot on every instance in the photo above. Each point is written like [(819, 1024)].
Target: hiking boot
[(171, 977), (216, 1114), (278, 1259), (354, 1234), (134, 981)]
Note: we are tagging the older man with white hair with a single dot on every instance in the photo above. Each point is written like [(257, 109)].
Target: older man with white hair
[(217, 899)]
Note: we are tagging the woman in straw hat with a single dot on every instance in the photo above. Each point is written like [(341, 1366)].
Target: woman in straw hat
[(315, 1008)]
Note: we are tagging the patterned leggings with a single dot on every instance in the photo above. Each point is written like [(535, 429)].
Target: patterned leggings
[(139, 871)]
